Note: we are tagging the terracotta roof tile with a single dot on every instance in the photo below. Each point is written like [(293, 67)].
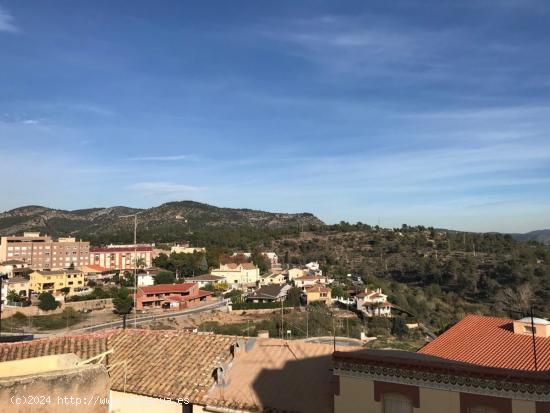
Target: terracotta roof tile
[(168, 364), (84, 346), (166, 288), (491, 342)]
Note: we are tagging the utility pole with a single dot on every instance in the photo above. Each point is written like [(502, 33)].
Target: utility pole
[(307, 322), (135, 264), (282, 322), (333, 334), (135, 271), (534, 340)]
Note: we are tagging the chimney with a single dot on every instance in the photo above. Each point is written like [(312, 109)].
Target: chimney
[(540, 327)]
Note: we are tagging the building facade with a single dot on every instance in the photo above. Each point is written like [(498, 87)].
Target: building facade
[(170, 296), (54, 281), (318, 293), (18, 284), (480, 365), (238, 274), (185, 249), (373, 303), (122, 257), (13, 268), (43, 252)]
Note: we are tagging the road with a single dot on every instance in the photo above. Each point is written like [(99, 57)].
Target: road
[(154, 317)]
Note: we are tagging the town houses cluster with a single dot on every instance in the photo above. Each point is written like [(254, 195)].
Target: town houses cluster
[(33, 263), (480, 365)]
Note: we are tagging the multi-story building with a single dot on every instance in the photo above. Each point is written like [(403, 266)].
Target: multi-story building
[(373, 303), (55, 281), (43, 252), (238, 274), (122, 257)]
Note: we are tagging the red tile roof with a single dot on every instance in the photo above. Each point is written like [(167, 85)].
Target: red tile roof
[(96, 268), (165, 364), (248, 266), (166, 288), (309, 277), (491, 342), (183, 298)]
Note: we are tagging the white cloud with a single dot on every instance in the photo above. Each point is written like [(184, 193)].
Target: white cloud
[(162, 188), (7, 22)]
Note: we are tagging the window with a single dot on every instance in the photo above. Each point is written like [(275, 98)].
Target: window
[(530, 330), (397, 403)]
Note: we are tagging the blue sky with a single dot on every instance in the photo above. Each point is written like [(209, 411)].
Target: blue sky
[(433, 113)]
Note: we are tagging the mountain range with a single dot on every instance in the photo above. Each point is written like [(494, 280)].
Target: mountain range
[(94, 221), (542, 236)]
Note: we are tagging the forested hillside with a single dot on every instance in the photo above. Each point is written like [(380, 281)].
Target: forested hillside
[(436, 275)]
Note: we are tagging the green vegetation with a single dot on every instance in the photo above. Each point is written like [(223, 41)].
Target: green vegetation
[(437, 276), (47, 302), (186, 264), (123, 304), (96, 294), (165, 277), (20, 322)]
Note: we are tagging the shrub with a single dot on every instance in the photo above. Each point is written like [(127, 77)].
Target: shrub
[(47, 302)]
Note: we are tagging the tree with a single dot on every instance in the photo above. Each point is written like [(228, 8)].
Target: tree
[(12, 296), (261, 261), (399, 327), (47, 302), (123, 304), (161, 260), (65, 291), (516, 299), (338, 292), (293, 296), (140, 263), (236, 296), (165, 277), (128, 280)]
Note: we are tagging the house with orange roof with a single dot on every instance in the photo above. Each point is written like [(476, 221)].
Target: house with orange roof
[(480, 365), (239, 275), (373, 303), (309, 280), (170, 296), (318, 293)]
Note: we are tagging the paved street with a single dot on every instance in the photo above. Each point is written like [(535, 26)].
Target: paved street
[(130, 322)]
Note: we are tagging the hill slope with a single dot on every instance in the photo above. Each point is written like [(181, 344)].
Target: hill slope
[(542, 236), (95, 221)]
